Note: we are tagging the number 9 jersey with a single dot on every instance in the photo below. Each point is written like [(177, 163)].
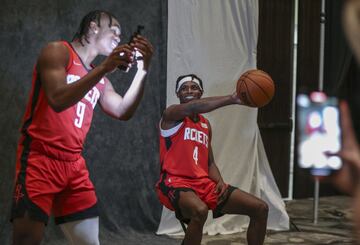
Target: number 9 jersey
[(65, 130), (184, 148)]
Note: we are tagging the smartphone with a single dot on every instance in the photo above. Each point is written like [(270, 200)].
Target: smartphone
[(319, 133), (137, 32)]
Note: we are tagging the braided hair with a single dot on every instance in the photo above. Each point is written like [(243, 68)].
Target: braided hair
[(83, 30)]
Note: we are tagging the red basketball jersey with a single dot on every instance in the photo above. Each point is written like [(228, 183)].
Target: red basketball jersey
[(66, 130), (184, 148)]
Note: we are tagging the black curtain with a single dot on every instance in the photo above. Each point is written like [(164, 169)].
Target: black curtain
[(122, 157), (349, 90), (274, 54), (337, 52), (337, 64)]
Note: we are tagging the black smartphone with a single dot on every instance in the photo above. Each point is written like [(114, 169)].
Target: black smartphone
[(137, 32), (318, 133)]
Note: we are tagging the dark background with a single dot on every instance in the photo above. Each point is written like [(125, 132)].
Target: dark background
[(122, 157), (275, 55)]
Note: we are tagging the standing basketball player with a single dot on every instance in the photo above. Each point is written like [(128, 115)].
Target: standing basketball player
[(190, 182), (51, 174)]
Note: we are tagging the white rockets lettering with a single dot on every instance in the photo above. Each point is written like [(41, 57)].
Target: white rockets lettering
[(70, 78), (196, 135), (92, 96)]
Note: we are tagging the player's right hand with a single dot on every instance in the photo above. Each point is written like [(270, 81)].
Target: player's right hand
[(144, 49), (122, 55), (236, 99)]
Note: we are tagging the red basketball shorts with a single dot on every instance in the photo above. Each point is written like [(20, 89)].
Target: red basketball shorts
[(169, 186), (46, 185)]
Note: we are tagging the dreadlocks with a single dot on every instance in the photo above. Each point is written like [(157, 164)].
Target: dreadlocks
[(84, 27)]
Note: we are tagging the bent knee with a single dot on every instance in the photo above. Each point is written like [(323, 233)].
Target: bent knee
[(200, 213), (262, 209)]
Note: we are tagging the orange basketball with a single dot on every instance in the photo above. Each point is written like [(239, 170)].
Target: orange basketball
[(255, 88)]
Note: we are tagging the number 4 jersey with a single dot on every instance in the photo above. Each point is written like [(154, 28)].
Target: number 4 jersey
[(184, 148), (65, 130)]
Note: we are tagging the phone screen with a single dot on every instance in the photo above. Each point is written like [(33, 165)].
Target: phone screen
[(319, 133)]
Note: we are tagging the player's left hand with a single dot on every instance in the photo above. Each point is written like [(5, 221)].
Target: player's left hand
[(144, 50), (220, 188)]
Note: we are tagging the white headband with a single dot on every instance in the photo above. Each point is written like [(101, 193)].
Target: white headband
[(188, 78)]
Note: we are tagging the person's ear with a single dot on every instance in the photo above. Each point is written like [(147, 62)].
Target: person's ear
[(201, 93), (94, 27)]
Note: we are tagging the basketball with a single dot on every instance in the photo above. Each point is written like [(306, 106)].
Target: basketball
[(255, 88)]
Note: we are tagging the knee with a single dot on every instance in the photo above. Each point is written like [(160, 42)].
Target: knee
[(82, 232), (262, 210), (200, 214)]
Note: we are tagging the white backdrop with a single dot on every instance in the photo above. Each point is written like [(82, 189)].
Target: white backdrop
[(217, 40)]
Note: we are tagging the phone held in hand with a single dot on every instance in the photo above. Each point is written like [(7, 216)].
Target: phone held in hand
[(137, 32), (319, 133)]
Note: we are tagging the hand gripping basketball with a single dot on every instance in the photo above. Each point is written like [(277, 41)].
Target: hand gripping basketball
[(255, 88)]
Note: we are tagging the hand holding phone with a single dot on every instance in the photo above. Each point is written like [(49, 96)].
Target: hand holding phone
[(319, 133), (137, 32), (347, 178)]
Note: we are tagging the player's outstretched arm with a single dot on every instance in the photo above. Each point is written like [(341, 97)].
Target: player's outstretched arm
[(178, 112)]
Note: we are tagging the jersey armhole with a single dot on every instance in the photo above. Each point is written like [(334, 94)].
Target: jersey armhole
[(71, 58), (171, 131)]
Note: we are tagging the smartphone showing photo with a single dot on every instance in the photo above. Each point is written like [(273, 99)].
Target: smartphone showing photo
[(319, 133)]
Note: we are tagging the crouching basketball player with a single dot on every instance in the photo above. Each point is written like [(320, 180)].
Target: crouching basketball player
[(190, 182)]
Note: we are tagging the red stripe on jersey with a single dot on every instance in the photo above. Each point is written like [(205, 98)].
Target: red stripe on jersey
[(188, 154), (66, 130)]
